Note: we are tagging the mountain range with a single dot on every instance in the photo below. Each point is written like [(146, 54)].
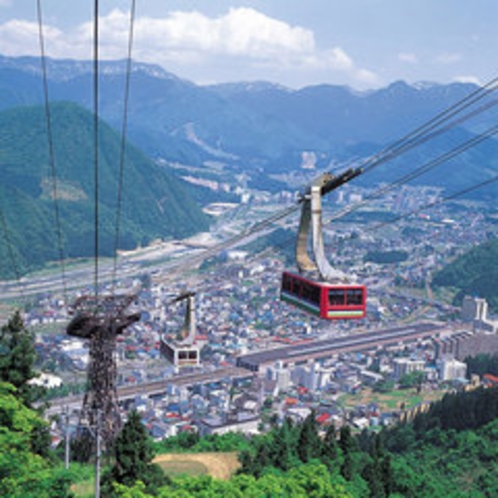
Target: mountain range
[(254, 133), (262, 129)]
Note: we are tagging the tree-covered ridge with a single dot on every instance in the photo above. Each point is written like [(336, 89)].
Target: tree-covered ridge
[(154, 204), (450, 451), (27, 465), (474, 273), (439, 454), (306, 481), (24, 473)]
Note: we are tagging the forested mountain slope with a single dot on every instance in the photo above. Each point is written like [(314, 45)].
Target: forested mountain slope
[(473, 273), (155, 204)]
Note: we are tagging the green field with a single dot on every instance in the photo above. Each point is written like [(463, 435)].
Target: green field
[(84, 489), (391, 401), (218, 465), (183, 467)]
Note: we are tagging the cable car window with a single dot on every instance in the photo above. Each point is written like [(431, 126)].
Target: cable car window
[(306, 291), (296, 288), (336, 297), (287, 283), (315, 294), (355, 296)]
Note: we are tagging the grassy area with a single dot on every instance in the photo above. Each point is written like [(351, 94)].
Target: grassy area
[(185, 467), (84, 489), (218, 465), (390, 401)]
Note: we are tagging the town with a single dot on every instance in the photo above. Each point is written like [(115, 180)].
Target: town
[(238, 312)]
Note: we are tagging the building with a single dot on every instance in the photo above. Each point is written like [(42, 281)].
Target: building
[(404, 366), (451, 369), (475, 310), (244, 422)]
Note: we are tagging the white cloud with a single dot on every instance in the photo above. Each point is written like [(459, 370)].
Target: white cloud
[(468, 79), (241, 32), (186, 41), (448, 58), (408, 57)]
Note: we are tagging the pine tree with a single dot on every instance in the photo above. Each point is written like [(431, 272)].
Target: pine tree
[(309, 443), (330, 447), (262, 459), (133, 459), (348, 446), (372, 475), (387, 474), (17, 358), (285, 443)]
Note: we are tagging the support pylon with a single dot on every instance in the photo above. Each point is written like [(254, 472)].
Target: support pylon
[(100, 320), (310, 225)]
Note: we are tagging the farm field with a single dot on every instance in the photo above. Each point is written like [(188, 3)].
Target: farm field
[(217, 465)]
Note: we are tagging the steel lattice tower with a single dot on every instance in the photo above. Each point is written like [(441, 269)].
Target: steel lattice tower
[(100, 319)]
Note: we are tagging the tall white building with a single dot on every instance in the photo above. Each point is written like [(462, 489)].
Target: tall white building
[(451, 369), (403, 366)]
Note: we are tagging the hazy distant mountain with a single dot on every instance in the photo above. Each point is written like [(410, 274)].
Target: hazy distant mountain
[(154, 203), (257, 128)]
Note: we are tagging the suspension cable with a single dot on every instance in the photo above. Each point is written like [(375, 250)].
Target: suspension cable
[(437, 202), (473, 142), (456, 151), (53, 169), (96, 142), (289, 210), (123, 144)]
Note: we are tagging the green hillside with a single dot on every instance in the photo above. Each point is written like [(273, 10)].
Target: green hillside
[(473, 273), (155, 204)]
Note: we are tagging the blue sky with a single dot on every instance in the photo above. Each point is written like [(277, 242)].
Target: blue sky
[(360, 43)]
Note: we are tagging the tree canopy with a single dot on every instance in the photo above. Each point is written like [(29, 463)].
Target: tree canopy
[(133, 454), (17, 358)]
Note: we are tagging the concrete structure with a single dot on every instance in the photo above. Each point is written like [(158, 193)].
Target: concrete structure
[(323, 349), (465, 344), (280, 374), (451, 369), (475, 310), (404, 366), (245, 422)]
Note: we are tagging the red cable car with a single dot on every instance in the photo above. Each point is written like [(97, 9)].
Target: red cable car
[(330, 296), (324, 299)]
